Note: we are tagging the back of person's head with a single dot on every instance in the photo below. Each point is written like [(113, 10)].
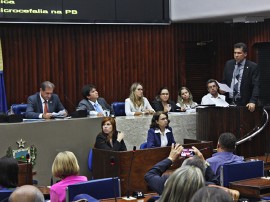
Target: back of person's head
[(211, 194), (195, 161), (241, 46), (155, 118), (227, 142), (182, 184), (65, 164), (87, 89), (46, 84), (8, 172), (26, 193)]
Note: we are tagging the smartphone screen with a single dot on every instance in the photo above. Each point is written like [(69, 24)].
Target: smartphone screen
[(187, 153)]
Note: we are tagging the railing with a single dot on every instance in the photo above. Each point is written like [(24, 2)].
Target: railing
[(256, 130)]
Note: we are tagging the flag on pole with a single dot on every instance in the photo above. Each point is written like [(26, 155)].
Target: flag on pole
[(3, 99)]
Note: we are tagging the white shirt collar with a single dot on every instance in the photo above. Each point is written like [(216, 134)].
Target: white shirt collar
[(41, 98), (165, 132)]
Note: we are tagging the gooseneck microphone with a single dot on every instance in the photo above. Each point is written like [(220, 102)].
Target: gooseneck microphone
[(27, 157), (114, 178), (128, 180)]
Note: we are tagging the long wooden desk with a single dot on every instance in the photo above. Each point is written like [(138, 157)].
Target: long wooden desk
[(143, 160), (78, 135), (253, 188)]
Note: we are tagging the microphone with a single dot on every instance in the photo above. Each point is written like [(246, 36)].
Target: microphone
[(114, 178), (128, 180), (52, 181), (27, 156)]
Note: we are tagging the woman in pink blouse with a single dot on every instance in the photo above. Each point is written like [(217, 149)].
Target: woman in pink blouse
[(65, 167)]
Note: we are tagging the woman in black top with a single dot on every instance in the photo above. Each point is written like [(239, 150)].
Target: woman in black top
[(163, 102), (110, 138)]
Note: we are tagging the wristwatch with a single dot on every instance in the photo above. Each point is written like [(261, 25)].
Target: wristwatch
[(206, 164)]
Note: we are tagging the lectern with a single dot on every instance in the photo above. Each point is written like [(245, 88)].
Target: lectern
[(25, 175), (212, 121)]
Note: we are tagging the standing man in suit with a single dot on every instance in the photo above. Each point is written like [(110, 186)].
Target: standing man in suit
[(94, 104), (44, 103), (242, 76)]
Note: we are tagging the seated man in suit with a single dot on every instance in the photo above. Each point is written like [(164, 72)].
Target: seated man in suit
[(213, 97), (44, 104), (95, 105), (224, 155)]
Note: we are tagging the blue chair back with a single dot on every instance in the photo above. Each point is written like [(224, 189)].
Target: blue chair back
[(119, 108), (4, 194), (19, 108), (143, 145), (99, 189), (90, 160), (240, 171)]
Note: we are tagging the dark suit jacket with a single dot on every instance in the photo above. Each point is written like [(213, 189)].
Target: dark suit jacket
[(86, 105), (249, 89), (153, 139), (34, 106), (101, 143), (156, 180), (157, 105)]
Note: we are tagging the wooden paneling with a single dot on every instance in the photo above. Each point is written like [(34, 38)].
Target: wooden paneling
[(114, 56)]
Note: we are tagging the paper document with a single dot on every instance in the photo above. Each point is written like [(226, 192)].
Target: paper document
[(224, 87)]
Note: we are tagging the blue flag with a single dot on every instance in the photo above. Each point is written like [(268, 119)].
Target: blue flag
[(3, 99)]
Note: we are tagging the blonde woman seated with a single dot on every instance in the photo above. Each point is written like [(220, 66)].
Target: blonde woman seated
[(137, 104), (65, 167), (182, 184), (110, 138), (185, 99)]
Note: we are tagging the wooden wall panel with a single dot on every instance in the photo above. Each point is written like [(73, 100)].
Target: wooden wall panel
[(113, 56)]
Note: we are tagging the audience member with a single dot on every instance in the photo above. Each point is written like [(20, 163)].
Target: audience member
[(137, 104), (243, 77), (185, 99), (95, 105), (110, 138), (8, 173), (44, 104), (160, 134), (65, 167), (211, 194), (162, 101), (213, 97), (156, 178), (224, 155), (182, 184), (27, 193)]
